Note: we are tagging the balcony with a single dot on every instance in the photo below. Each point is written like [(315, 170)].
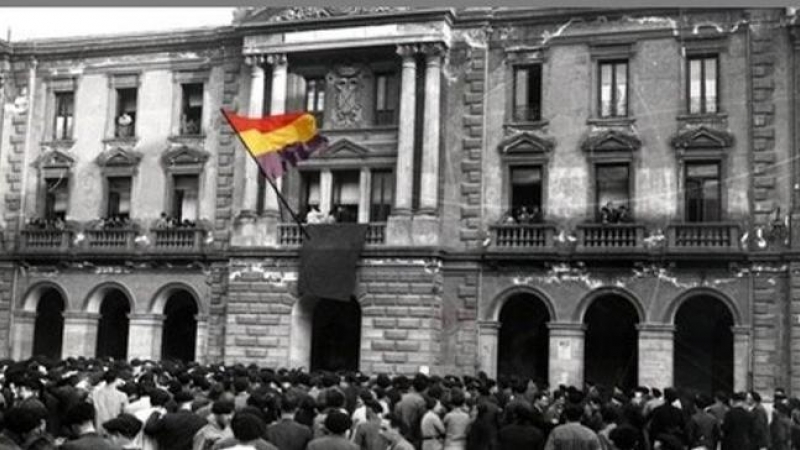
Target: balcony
[(45, 241), (523, 236), (290, 234), (111, 241), (178, 240), (714, 237), (621, 237)]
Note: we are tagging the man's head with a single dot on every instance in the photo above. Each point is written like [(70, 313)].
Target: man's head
[(738, 399), (223, 412), (247, 427), (80, 417), (338, 422), (22, 421), (573, 412), (393, 428), (122, 428)]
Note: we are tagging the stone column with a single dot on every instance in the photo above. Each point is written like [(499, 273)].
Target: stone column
[(656, 354), (144, 336), (365, 199), (201, 341), (429, 183), (24, 329), (277, 106), (80, 334), (741, 358), (487, 345), (566, 353), (256, 109), (398, 227)]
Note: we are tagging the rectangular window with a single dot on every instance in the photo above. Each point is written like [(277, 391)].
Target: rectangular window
[(346, 195), (703, 192), (614, 88), (703, 81), (309, 193), (612, 189), (315, 98), (65, 111), (185, 197), (526, 194), (126, 112), (382, 195), (527, 93), (56, 198), (119, 197), (386, 96), (191, 108)]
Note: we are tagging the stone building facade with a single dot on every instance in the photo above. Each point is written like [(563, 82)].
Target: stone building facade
[(491, 152)]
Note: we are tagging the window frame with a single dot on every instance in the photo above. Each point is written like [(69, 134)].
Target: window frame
[(509, 203), (371, 204), (184, 107), (68, 134), (720, 189), (173, 189), (391, 78), (702, 57), (516, 68), (603, 162), (613, 62), (107, 193), (319, 113), (337, 192), (45, 195)]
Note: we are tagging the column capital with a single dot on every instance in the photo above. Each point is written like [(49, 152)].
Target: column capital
[(433, 51), (656, 327), (566, 328), (255, 61), (276, 59), (81, 316), (741, 331), (488, 326), (408, 51), (146, 317)]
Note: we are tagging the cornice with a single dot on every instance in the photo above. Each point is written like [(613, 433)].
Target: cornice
[(439, 13)]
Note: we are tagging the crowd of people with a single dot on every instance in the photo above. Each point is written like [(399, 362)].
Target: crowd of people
[(166, 222), (114, 222), (104, 404), (50, 223)]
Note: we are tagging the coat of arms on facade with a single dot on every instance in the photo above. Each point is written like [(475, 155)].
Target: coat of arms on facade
[(348, 95)]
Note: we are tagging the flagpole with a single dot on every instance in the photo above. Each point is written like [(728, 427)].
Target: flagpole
[(269, 179)]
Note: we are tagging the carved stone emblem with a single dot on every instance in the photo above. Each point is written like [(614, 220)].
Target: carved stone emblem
[(348, 95)]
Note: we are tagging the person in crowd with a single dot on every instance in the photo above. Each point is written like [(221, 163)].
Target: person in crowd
[(572, 435), (393, 434), (667, 419), (520, 433), (738, 426), (337, 423), (248, 431), (175, 430), (411, 408), (287, 433), (24, 429), (456, 423), (367, 434), (217, 428), (123, 430), (762, 435), (81, 420), (108, 400), (703, 430), (781, 427)]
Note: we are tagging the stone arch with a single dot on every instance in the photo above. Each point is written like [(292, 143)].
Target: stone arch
[(30, 300), (159, 300), (94, 300), (492, 313), (586, 302), (674, 306)]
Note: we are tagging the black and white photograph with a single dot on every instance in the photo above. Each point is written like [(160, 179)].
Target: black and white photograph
[(400, 227)]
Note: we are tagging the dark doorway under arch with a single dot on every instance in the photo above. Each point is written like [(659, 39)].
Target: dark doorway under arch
[(611, 349), (180, 327), (523, 338), (48, 329), (112, 330), (703, 349), (336, 335)]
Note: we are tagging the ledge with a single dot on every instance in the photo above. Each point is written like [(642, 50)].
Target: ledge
[(611, 121)]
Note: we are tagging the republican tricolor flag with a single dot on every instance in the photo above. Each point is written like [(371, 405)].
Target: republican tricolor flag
[(279, 140)]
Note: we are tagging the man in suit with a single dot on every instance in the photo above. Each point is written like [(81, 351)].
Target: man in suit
[(175, 431), (336, 423), (80, 420), (738, 426)]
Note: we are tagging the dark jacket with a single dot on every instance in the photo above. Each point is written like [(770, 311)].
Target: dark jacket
[(738, 429), (90, 441), (289, 435), (520, 437), (174, 431), (667, 419)]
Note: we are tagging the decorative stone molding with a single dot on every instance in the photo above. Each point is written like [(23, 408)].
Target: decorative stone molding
[(300, 13), (119, 161), (54, 163), (184, 159), (702, 137), (526, 144), (347, 82), (610, 141), (345, 148), (408, 51)]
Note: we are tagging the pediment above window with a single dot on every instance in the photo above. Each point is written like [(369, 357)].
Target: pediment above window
[(526, 144), (702, 137), (54, 163), (611, 140), (345, 148), (119, 161), (184, 159)]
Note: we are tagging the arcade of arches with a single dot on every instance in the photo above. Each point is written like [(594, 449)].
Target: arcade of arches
[(109, 327), (702, 349)]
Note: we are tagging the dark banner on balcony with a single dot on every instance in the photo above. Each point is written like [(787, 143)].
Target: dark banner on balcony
[(328, 260)]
